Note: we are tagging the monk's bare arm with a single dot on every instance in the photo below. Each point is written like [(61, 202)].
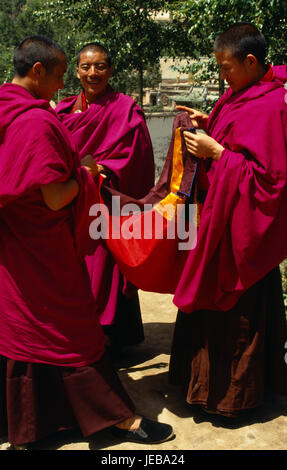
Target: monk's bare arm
[(58, 195)]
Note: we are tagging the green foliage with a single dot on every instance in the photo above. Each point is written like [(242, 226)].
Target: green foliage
[(6, 59), (136, 41), (72, 24), (205, 19), (127, 82), (16, 22), (12, 7), (127, 28), (157, 108)]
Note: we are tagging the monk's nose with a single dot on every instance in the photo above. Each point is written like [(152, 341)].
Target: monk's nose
[(93, 70)]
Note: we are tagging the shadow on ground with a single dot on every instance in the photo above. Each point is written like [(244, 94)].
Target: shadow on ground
[(143, 370)]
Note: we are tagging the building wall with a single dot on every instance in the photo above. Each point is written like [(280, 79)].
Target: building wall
[(160, 129)]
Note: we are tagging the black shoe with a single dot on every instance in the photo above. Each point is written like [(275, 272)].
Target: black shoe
[(149, 432)]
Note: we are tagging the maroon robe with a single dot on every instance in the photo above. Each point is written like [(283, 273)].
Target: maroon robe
[(114, 131), (229, 345), (53, 371), (47, 310)]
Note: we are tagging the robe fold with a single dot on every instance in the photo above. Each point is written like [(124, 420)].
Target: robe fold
[(231, 332), (151, 244), (242, 232), (47, 311), (243, 213), (114, 131)]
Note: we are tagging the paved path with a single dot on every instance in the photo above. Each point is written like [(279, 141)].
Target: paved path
[(144, 372)]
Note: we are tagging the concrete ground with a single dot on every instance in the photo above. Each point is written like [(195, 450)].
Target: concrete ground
[(144, 372)]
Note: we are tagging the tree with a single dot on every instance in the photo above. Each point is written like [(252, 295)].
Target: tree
[(16, 22), (204, 20), (128, 28)]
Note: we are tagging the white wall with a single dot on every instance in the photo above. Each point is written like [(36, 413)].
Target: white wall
[(160, 129)]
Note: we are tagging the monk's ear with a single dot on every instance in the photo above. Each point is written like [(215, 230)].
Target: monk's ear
[(111, 71), (38, 69), (251, 60), (77, 71)]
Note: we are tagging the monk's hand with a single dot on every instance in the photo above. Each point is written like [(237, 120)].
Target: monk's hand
[(201, 145), (89, 163), (199, 119), (103, 170)]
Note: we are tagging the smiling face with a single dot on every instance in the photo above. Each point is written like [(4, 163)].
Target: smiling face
[(238, 75), (94, 73)]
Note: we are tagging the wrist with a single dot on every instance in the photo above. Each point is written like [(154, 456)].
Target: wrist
[(217, 152)]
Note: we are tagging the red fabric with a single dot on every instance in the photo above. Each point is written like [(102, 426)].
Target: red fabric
[(152, 264), (242, 233), (47, 312), (149, 249), (269, 76), (280, 72)]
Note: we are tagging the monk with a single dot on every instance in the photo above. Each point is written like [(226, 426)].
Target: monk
[(54, 372), (229, 346), (111, 127)]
